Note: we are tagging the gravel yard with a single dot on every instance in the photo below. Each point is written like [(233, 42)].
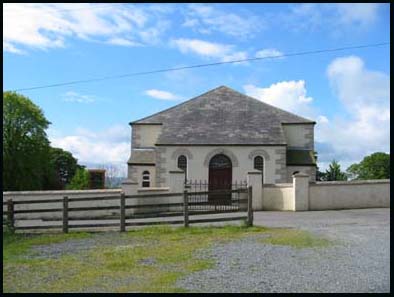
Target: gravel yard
[(358, 261), (357, 258)]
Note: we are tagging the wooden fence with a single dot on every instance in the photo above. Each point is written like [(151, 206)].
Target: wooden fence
[(189, 210)]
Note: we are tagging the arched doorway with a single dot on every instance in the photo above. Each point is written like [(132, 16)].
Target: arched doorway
[(220, 177)]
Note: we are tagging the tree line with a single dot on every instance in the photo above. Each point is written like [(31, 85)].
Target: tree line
[(29, 162), (374, 166)]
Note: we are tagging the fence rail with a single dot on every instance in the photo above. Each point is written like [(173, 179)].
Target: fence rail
[(194, 203)]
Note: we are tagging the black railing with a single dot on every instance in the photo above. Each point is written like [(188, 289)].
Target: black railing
[(219, 197)]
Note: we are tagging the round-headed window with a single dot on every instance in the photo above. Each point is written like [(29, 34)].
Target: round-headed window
[(258, 164), (146, 179), (182, 162)]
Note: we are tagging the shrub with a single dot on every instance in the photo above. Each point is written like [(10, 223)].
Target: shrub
[(80, 180)]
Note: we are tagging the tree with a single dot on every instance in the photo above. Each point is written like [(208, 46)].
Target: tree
[(63, 167), (80, 180), (320, 176), (25, 144), (374, 166), (334, 172)]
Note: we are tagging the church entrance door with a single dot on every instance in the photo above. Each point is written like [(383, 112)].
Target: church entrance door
[(220, 178)]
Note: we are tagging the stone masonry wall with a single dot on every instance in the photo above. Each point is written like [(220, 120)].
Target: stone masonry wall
[(280, 162)]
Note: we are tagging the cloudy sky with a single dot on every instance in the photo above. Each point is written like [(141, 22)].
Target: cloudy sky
[(346, 93)]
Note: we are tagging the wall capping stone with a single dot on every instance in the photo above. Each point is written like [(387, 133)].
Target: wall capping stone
[(254, 172), (282, 185), (351, 183), (153, 189), (65, 192), (176, 172), (300, 174)]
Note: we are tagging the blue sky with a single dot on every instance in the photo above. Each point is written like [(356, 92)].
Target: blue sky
[(346, 92)]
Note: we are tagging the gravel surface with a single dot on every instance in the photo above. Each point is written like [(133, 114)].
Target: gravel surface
[(359, 261), (78, 246)]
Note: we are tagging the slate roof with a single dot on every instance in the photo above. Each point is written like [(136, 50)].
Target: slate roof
[(143, 156), (222, 116)]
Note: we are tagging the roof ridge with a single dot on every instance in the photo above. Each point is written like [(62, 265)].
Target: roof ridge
[(184, 102), (269, 106)]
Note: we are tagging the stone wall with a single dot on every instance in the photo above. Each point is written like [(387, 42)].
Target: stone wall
[(346, 195), (297, 196), (176, 180), (241, 157), (304, 195), (280, 165), (161, 161), (299, 135), (278, 197), (145, 135)]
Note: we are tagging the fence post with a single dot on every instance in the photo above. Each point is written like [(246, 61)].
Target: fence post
[(250, 207), (10, 215), (65, 214), (186, 208), (122, 212)]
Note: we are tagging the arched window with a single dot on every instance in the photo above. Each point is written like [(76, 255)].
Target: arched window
[(220, 161), (258, 164), (146, 179), (182, 163)]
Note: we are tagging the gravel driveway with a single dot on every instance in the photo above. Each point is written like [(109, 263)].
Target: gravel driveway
[(359, 261)]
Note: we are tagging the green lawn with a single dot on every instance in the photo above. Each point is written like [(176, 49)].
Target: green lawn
[(147, 260)]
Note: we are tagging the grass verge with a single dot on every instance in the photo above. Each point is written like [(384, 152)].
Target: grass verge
[(143, 260), (147, 260), (295, 238)]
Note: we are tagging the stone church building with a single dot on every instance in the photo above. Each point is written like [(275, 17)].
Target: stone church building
[(219, 137)]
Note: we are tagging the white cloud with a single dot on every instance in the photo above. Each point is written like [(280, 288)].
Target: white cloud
[(109, 146), (363, 14), (72, 96), (337, 17), (288, 95), (191, 23), (162, 95), (201, 47), (123, 42), (365, 95), (12, 49), (206, 19), (268, 52), (235, 56), (348, 137), (206, 49), (322, 119), (152, 35), (356, 86), (44, 26)]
